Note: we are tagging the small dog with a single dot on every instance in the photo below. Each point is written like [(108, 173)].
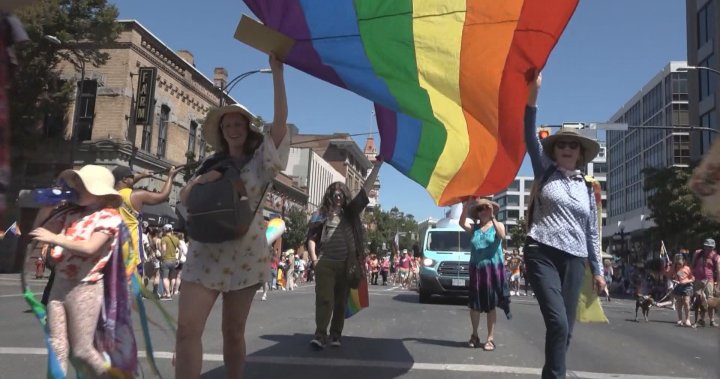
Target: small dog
[(644, 302), (698, 308)]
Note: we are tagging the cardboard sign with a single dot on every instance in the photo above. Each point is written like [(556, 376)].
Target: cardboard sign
[(263, 38), (705, 182)]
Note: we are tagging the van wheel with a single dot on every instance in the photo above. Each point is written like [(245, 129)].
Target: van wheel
[(424, 296)]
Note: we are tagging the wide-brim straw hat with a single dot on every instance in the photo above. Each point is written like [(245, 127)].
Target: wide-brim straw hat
[(98, 180), (591, 148), (482, 201), (211, 128)]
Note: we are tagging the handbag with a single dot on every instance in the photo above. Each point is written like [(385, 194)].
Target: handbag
[(218, 211)]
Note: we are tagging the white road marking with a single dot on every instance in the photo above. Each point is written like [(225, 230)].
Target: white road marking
[(339, 362), (20, 295)]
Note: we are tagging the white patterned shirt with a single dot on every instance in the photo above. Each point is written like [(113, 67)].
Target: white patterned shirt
[(564, 213)]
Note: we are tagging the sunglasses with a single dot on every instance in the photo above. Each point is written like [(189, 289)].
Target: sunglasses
[(571, 144)]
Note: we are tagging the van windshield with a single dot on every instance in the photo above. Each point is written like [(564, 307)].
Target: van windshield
[(449, 240)]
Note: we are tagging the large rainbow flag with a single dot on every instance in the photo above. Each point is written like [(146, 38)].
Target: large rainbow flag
[(448, 77)]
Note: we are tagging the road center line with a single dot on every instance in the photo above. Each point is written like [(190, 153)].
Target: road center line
[(398, 365)]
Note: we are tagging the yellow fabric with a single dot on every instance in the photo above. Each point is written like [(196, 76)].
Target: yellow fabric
[(129, 215), (589, 307)]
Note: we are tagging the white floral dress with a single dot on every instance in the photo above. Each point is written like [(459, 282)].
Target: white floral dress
[(237, 264)]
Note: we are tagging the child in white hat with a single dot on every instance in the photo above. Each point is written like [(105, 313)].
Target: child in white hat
[(85, 240)]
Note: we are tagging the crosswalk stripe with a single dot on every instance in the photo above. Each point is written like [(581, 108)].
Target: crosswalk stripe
[(341, 362)]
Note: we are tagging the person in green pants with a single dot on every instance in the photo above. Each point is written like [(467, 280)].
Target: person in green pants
[(335, 244)]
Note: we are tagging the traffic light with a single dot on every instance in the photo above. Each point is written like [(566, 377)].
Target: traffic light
[(543, 133)]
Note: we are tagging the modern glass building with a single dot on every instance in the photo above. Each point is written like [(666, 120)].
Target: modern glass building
[(663, 101), (703, 44)]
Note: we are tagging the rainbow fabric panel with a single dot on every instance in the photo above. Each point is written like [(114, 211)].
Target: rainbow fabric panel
[(448, 77)]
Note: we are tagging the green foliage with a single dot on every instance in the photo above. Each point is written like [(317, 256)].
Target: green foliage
[(37, 91), (675, 209), (518, 233), (387, 224), (296, 228)]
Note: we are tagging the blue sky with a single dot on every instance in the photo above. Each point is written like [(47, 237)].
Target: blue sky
[(609, 50)]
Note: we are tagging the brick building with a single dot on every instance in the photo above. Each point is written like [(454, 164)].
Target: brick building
[(144, 108)]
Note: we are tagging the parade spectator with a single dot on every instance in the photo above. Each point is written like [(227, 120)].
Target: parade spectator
[(87, 238), (562, 231), (40, 261), (608, 271), (151, 268), (385, 269), (289, 271), (234, 268), (487, 274), (705, 267), (336, 246), (514, 265), (683, 278), (404, 268), (181, 258), (134, 200), (274, 264), (169, 248), (374, 269)]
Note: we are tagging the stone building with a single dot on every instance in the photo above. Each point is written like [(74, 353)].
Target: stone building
[(342, 153)]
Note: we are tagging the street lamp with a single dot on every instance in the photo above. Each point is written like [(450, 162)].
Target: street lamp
[(689, 68), (231, 84)]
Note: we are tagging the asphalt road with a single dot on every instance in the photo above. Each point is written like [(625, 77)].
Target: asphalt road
[(399, 338)]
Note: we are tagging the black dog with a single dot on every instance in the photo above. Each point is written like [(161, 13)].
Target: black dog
[(644, 302)]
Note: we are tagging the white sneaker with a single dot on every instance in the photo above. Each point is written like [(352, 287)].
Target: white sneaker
[(512, 293), (264, 297)]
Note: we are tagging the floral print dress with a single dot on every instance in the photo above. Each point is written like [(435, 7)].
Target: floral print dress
[(245, 262)]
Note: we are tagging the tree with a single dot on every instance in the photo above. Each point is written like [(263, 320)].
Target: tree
[(37, 91), (518, 232), (387, 224), (675, 209), (296, 224)]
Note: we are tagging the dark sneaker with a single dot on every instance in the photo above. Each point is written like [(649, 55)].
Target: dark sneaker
[(318, 343), (335, 341)]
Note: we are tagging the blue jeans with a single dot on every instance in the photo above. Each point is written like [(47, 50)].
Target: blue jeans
[(556, 277)]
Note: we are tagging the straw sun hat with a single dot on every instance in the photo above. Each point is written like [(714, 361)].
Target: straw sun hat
[(211, 128), (480, 202), (98, 181), (590, 147)]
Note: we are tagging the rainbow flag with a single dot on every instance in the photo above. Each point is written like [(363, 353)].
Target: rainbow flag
[(448, 77), (358, 299)]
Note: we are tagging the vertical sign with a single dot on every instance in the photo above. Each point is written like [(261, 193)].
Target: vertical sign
[(145, 94)]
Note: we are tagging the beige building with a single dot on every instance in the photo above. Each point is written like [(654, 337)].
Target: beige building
[(342, 153)]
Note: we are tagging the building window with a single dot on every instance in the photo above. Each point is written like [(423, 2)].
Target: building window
[(191, 136), (87, 90), (706, 78), (513, 200), (706, 24), (515, 186), (163, 131), (513, 214), (203, 148)]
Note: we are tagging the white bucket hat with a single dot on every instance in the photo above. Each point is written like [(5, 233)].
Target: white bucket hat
[(98, 180), (211, 128)]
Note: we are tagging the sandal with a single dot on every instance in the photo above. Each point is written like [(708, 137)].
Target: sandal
[(474, 341), (489, 345)]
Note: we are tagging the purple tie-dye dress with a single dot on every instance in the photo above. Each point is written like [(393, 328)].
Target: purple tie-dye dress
[(488, 288)]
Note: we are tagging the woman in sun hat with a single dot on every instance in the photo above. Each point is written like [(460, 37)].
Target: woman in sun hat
[(562, 230), (236, 268), (88, 236), (488, 288)]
